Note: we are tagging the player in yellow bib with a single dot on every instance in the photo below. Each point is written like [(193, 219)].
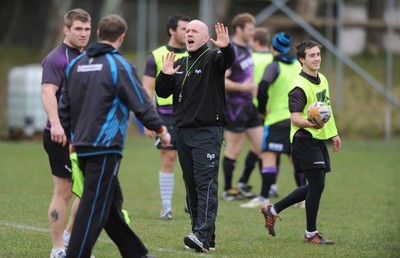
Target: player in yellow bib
[(273, 104), (309, 152), (176, 27)]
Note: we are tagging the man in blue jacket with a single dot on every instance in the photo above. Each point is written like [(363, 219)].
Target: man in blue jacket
[(101, 88)]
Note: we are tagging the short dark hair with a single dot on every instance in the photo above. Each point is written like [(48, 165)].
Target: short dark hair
[(240, 21), (306, 44), (262, 35), (172, 22), (111, 27), (77, 14)]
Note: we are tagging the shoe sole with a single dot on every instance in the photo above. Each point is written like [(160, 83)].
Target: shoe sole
[(192, 244)]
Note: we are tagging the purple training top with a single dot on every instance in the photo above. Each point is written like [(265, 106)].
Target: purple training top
[(54, 66), (241, 70)]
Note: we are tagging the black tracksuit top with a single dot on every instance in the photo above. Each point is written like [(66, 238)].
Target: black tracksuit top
[(203, 92)]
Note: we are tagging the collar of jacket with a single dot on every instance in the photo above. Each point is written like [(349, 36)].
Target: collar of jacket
[(198, 52), (97, 49)]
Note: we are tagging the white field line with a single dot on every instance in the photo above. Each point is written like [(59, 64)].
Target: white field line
[(102, 239)]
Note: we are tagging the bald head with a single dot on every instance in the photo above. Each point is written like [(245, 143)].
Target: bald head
[(196, 35), (201, 26)]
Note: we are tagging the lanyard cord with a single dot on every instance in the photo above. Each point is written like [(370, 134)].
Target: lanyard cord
[(190, 68)]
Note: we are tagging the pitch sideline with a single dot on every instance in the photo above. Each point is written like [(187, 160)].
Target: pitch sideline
[(102, 239)]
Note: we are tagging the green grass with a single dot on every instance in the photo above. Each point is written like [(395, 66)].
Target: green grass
[(359, 208)]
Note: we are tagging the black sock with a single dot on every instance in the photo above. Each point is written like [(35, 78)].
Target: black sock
[(249, 165), (268, 175), (228, 166)]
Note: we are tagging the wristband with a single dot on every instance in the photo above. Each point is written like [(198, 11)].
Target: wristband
[(162, 131)]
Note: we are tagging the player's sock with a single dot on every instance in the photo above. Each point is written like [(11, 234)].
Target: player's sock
[(268, 176), (310, 234), (66, 237), (228, 166), (249, 165), (166, 181), (273, 211)]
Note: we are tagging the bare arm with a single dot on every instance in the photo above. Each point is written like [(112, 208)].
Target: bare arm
[(149, 84), (297, 120), (246, 86), (336, 143), (51, 108)]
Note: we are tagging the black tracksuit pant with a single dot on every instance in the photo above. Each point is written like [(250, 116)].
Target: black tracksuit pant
[(100, 208), (199, 153)]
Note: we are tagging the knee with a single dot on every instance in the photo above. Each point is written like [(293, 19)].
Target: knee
[(64, 192)]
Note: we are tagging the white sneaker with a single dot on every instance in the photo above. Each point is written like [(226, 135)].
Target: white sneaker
[(165, 214), (255, 202), (301, 204), (60, 253)]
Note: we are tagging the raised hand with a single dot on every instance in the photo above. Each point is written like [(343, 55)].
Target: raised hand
[(168, 64), (222, 36)]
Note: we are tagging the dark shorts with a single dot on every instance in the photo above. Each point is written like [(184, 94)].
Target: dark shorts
[(310, 154), (276, 138), (60, 163), (242, 117), (169, 122)]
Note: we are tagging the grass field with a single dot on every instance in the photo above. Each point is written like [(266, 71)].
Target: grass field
[(359, 208)]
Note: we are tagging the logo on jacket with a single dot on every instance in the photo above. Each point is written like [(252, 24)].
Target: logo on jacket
[(197, 71), (89, 68), (210, 156)]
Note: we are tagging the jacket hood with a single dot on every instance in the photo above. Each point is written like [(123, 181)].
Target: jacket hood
[(97, 49)]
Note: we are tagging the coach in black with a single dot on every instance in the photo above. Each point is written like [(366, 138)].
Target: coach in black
[(101, 88), (198, 88)]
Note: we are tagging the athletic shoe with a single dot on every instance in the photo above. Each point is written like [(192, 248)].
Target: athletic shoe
[(255, 202), (269, 218), (165, 214), (273, 191), (245, 190), (61, 253), (194, 243), (231, 195), (212, 246), (317, 238), (301, 204)]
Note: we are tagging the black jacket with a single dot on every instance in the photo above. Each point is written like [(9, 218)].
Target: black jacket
[(101, 88), (203, 92)]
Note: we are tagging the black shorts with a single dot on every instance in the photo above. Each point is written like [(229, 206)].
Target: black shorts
[(276, 138), (60, 163), (310, 154), (169, 122), (242, 117)]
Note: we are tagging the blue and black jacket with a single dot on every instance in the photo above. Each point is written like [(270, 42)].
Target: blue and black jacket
[(101, 88)]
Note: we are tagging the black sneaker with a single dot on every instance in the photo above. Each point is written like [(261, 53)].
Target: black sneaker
[(317, 238), (245, 190), (212, 246), (194, 243)]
